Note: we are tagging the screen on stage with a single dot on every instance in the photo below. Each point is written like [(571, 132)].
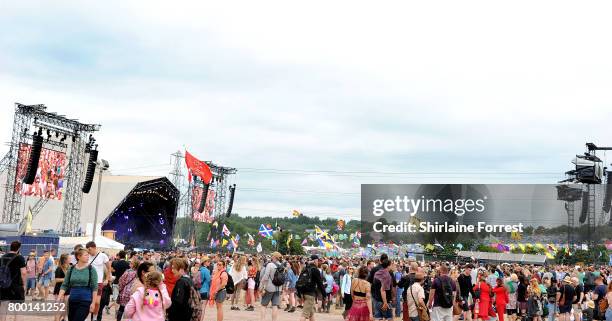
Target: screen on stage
[(207, 214), (49, 181)]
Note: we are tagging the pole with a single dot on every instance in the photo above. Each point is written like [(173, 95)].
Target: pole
[(95, 223)]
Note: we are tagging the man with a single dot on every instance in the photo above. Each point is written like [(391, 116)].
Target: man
[(309, 293), (406, 282), (16, 266), (565, 299), (45, 275), (73, 260), (442, 289), (118, 267), (466, 287), (100, 262), (271, 292), (599, 293), (382, 293), (577, 303), (146, 256)]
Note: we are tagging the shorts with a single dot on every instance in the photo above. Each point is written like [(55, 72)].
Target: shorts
[(511, 311), (465, 306), (270, 296), (31, 283), (442, 314), (290, 290), (220, 296), (309, 306), (251, 284), (115, 294), (204, 296), (44, 282), (100, 288), (565, 308), (577, 308), (522, 306), (379, 313)]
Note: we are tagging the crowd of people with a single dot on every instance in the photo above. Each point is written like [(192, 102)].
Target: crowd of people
[(176, 285)]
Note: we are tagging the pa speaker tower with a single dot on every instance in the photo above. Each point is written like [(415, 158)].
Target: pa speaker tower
[(37, 142), (91, 170), (231, 200)]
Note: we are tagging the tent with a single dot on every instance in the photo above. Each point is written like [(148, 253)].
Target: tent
[(108, 246), (504, 257)]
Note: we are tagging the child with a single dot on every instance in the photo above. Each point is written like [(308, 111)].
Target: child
[(587, 314), (149, 303)]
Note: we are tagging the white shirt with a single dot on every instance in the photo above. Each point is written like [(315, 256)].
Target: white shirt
[(418, 293), (99, 265)]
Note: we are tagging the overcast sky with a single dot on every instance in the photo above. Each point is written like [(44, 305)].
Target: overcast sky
[(328, 94)]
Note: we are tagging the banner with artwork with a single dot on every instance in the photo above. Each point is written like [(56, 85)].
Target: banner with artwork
[(207, 214), (49, 181)]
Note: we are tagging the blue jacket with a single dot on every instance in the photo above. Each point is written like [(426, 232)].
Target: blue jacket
[(205, 273), (291, 279), (330, 283)]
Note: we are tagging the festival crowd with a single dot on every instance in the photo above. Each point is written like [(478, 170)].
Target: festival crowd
[(185, 286)]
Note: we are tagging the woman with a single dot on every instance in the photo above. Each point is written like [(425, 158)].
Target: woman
[(484, 301), (521, 296), (180, 309), (149, 303), (217, 288), (512, 306), (60, 274), (292, 276), (329, 285), (361, 309), (205, 288), (143, 268), (239, 275), (82, 282), (501, 298), (31, 269), (126, 281), (252, 275), (534, 303), (608, 297), (551, 298), (415, 299)]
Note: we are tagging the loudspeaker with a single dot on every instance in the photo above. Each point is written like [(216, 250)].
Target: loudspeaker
[(204, 197), (30, 175), (585, 207), (231, 201), (91, 170), (607, 204)]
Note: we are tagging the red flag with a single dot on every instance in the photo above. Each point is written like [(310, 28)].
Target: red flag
[(198, 168)]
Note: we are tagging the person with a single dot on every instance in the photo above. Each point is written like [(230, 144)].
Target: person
[(16, 266), (521, 295), (382, 292), (292, 273), (73, 260), (534, 303), (101, 264), (126, 281), (60, 274), (405, 283), (599, 293), (565, 298), (346, 289), (577, 303), (512, 306), (608, 312), (150, 302), (45, 275), (415, 295), (361, 307), (217, 288), (239, 275), (31, 269), (309, 292), (483, 297), (82, 284), (180, 309), (438, 295), (205, 288), (118, 268), (466, 290), (551, 298), (271, 292), (253, 278)]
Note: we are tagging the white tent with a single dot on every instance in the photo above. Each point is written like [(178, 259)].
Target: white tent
[(66, 244)]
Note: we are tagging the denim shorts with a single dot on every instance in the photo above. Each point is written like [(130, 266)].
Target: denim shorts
[(379, 313), (220, 296), (31, 283), (274, 297)]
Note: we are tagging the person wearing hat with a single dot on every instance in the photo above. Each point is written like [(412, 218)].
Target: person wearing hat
[(271, 292), (565, 298), (309, 293)]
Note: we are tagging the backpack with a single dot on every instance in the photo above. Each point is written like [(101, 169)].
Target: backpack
[(229, 287), (446, 296), (280, 277), (6, 279), (603, 305), (197, 279), (195, 304), (304, 282)]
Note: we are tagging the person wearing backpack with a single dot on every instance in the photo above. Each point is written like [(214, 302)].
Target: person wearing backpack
[(13, 274), (82, 284), (442, 294), (180, 310), (269, 285), (218, 285), (126, 281), (307, 285)]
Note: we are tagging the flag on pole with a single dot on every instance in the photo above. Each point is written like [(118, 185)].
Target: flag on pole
[(296, 213), (235, 242), (259, 248), (226, 231), (251, 241), (224, 243), (212, 242), (265, 231), (289, 239), (305, 241), (198, 168)]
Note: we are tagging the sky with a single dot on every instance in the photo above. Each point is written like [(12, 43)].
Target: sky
[(309, 100)]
